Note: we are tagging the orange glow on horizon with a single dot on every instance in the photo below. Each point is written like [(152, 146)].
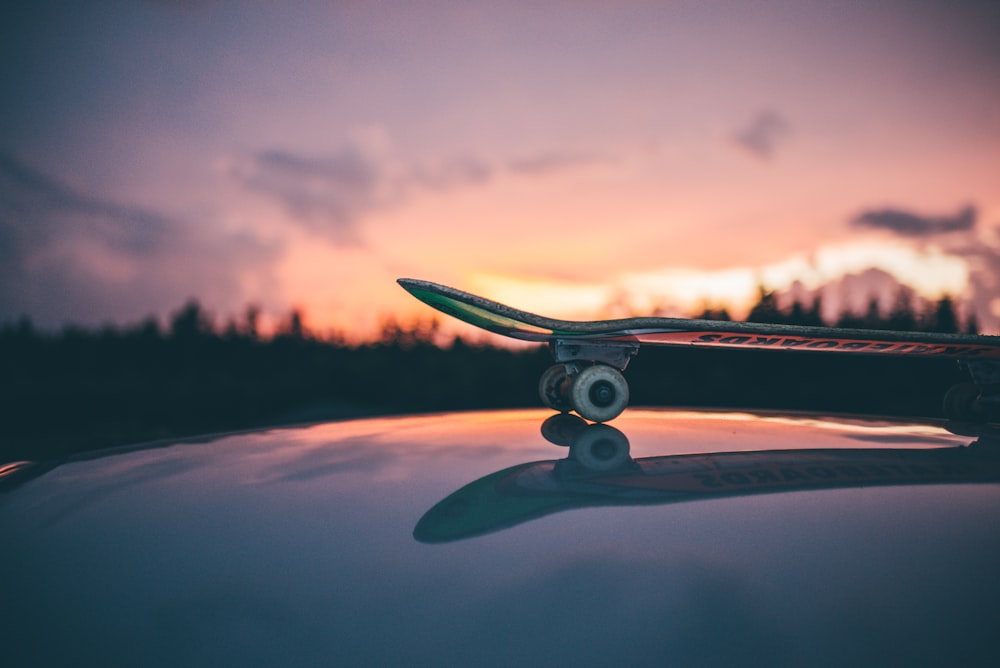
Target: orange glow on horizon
[(356, 299)]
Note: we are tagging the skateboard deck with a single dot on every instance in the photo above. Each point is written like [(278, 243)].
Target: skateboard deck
[(604, 344), (502, 319)]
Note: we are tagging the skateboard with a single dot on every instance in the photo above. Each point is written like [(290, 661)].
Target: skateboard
[(599, 471), (591, 355)]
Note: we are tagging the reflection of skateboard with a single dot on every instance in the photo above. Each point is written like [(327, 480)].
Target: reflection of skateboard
[(598, 471), (591, 355)]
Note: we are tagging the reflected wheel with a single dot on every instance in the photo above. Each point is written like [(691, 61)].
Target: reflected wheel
[(561, 429), (600, 447), (599, 393)]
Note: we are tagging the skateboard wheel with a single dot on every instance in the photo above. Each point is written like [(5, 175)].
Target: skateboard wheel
[(599, 393), (553, 388), (961, 403), (600, 447)]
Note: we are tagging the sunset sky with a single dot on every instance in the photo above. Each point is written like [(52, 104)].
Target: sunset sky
[(578, 159)]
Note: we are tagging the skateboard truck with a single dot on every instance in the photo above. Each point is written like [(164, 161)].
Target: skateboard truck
[(612, 353), (587, 378)]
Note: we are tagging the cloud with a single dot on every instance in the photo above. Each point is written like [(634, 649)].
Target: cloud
[(556, 161), (959, 237), (912, 225), (453, 173), (332, 194), (32, 197), (763, 135), (70, 256), (327, 195), (983, 256)]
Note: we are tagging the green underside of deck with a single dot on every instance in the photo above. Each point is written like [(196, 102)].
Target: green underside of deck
[(481, 317)]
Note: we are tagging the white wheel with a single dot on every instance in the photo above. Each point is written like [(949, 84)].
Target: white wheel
[(600, 447), (553, 388), (599, 393)]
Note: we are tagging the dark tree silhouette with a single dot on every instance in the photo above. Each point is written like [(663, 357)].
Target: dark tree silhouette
[(293, 327), (190, 322), (709, 313), (971, 323), (902, 317), (80, 389), (942, 317), (766, 309), (252, 321)]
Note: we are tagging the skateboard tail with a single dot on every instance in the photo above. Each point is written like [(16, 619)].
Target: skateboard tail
[(482, 313)]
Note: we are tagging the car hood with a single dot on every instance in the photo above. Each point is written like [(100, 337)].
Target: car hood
[(510, 537)]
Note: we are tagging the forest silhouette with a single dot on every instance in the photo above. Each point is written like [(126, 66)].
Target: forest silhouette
[(82, 389)]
